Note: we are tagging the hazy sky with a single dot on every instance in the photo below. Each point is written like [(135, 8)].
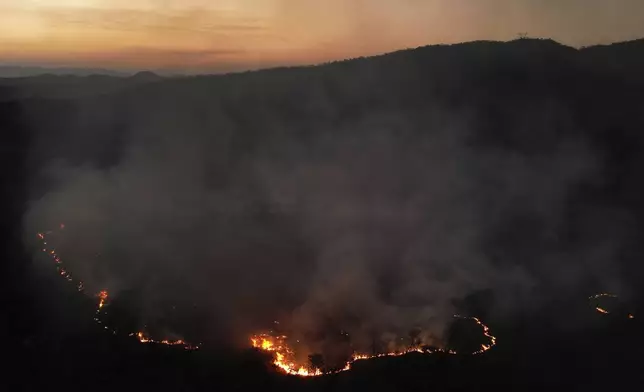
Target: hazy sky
[(236, 34)]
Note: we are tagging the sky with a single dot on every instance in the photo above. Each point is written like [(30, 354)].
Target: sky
[(224, 35)]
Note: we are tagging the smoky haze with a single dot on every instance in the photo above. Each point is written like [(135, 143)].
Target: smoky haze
[(284, 195)]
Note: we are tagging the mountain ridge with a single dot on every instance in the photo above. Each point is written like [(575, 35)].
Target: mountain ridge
[(18, 71)]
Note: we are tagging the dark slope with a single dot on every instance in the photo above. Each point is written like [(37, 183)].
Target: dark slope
[(626, 58), (525, 98)]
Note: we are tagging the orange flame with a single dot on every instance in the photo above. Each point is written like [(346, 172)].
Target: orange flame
[(143, 338), (283, 354), (102, 295), (602, 310)]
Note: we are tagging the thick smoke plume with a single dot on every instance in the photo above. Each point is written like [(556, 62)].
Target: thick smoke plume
[(254, 205)]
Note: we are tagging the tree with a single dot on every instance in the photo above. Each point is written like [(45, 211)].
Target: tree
[(316, 361)]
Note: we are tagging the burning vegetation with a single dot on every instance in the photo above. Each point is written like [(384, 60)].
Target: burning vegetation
[(285, 360), (284, 357), (103, 296), (144, 338)]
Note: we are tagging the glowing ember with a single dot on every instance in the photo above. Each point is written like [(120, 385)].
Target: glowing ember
[(486, 333), (102, 296), (601, 309), (284, 356), (143, 338), (602, 295)]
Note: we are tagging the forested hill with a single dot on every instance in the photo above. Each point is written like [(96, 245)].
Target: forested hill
[(513, 167)]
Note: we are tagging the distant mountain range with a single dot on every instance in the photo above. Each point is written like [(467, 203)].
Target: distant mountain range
[(16, 71), (623, 59)]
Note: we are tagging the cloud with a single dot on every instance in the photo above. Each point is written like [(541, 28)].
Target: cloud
[(158, 21)]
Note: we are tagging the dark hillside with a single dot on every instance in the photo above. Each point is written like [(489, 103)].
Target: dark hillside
[(501, 178)]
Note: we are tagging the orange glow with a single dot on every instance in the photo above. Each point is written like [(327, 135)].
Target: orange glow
[(486, 332), (267, 345), (601, 309), (103, 296), (143, 338), (284, 355), (257, 33)]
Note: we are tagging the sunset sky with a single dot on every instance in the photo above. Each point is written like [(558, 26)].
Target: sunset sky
[(222, 35)]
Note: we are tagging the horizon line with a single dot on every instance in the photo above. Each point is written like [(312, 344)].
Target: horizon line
[(68, 69)]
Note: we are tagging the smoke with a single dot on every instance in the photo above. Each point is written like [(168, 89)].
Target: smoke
[(385, 209), (368, 221)]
